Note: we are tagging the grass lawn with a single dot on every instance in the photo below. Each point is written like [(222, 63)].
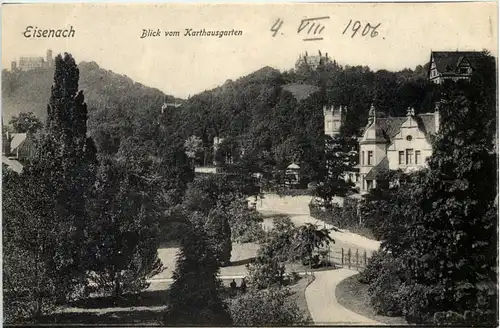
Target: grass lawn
[(300, 294), (241, 255), (146, 308), (354, 296)]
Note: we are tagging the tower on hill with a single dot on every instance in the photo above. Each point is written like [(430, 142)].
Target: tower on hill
[(334, 117)]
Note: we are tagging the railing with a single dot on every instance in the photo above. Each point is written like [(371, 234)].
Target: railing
[(347, 257)]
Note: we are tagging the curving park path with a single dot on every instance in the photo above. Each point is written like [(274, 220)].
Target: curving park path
[(322, 301), (320, 294)]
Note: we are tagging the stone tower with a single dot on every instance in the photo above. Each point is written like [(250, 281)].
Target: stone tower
[(334, 117), (50, 60)]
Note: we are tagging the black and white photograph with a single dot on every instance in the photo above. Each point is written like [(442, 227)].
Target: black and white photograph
[(265, 164)]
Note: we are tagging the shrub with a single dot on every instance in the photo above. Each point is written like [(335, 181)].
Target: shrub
[(272, 307), (384, 290), (266, 270), (245, 222), (417, 302), (374, 267)]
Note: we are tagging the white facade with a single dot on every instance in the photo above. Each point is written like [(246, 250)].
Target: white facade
[(395, 143)]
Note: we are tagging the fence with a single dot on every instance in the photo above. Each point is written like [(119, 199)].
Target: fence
[(351, 258), (356, 259), (345, 257)]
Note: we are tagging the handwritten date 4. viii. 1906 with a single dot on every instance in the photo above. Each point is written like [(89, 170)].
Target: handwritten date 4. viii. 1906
[(311, 28)]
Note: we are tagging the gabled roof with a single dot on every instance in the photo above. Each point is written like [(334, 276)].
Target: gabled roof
[(427, 122), (390, 125), (448, 61), (381, 168), (17, 140)]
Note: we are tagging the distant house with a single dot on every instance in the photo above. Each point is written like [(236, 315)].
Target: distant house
[(19, 146), (452, 65)]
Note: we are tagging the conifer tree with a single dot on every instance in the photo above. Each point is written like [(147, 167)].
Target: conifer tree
[(195, 295), (45, 207), (65, 171)]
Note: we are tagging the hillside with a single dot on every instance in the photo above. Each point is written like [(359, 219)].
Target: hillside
[(300, 91), (30, 91)]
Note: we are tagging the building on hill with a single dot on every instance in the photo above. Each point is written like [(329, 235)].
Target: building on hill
[(169, 104), (452, 65), (29, 63), (393, 143), (312, 61)]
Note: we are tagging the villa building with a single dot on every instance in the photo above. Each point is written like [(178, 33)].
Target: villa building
[(452, 65), (393, 143)]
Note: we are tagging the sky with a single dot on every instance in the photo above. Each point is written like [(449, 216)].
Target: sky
[(110, 35)]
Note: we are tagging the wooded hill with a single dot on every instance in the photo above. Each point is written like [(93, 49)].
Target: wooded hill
[(275, 117)]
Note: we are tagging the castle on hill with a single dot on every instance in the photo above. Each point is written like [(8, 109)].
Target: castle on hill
[(29, 63)]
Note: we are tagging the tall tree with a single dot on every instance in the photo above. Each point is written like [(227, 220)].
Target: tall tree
[(196, 293), (339, 160), (125, 230), (219, 233), (456, 235), (65, 170), (45, 217)]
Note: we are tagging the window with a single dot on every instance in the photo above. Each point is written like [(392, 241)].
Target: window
[(369, 184), (336, 125), (409, 138), (401, 157), (362, 159), (409, 156), (329, 125), (370, 157), (417, 157)]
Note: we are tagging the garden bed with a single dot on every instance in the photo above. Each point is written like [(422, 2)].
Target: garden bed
[(354, 296)]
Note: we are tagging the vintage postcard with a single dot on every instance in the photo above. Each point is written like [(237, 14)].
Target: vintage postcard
[(250, 164)]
